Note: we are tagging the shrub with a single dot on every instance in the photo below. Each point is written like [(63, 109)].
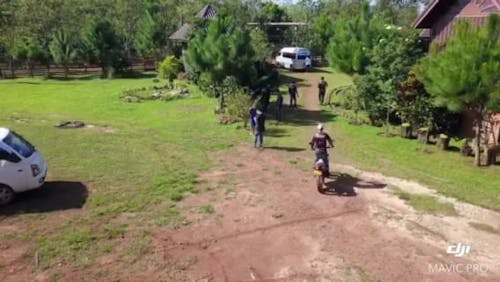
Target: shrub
[(169, 68), (238, 104)]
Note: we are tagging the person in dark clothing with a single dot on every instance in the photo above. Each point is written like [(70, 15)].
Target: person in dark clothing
[(292, 90), (260, 128), (279, 106), (322, 85), (319, 144), (266, 97)]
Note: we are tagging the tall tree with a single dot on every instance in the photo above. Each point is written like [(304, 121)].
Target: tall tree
[(349, 49), (323, 30), (105, 44), (465, 75), (391, 60), (29, 50), (11, 30), (126, 20), (224, 50), (145, 37), (63, 49)]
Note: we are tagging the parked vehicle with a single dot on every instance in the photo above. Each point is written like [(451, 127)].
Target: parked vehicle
[(294, 58), (22, 167)]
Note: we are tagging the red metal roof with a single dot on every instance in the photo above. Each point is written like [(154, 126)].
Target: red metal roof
[(437, 8)]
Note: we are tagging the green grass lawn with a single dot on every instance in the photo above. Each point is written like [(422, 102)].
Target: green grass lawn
[(148, 163)]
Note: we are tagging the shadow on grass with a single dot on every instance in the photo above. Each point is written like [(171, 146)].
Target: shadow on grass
[(301, 116), (287, 78), (343, 185), (75, 77), (29, 82), (319, 70), (52, 196), (92, 76), (288, 149), (453, 149), (277, 132)]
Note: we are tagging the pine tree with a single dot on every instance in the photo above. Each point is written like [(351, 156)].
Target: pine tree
[(465, 75)]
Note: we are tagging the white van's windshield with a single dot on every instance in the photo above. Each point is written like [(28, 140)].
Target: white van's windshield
[(19, 144)]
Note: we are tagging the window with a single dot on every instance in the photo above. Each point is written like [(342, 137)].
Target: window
[(10, 157), (19, 144), (301, 57), (289, 55)]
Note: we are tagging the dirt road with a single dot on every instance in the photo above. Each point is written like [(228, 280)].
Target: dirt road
[(270, 224)]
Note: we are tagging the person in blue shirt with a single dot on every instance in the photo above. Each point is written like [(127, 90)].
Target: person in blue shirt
[(253, 113)]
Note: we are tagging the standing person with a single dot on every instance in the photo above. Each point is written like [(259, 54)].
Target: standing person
[(308, 62), (292, 90), (319, 144), (266, 97), (322, 85), (279, 106), (260, 120), (253, 113)]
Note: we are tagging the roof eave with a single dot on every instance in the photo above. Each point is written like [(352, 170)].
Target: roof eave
[(418, 22)]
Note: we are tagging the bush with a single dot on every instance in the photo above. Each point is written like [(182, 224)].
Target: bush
[(169, 68), (238, 102)]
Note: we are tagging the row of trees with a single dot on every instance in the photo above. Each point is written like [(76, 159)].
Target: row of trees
[(107, 33)]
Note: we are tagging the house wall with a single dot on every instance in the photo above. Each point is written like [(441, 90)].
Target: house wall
[(443, 27)]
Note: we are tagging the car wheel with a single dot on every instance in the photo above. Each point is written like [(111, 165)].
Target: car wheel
[(6, 194)]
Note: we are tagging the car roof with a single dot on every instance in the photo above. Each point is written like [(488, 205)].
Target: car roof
[(295, 50), (3, 132)]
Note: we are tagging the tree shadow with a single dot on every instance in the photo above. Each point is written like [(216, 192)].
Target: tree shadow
[(453, 149), (74, 77), (285, 79), (276, 132), (318, 70), (288, 149), (52, 196), (301, 116), (343, 184), (92, 76), (29, 82)]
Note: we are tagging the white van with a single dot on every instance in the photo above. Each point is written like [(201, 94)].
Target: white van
[(294, 58), (22, 167)]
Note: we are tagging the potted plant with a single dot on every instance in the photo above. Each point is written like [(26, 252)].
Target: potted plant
[(443, 141), (406, 130), (423, 135)]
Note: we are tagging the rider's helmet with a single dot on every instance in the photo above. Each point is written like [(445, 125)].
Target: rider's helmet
[(320, 126)]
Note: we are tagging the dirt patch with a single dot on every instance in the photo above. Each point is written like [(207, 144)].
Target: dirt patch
[(104, 128)]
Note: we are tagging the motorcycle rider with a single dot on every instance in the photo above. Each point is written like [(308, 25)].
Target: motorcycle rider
[(319, 144)]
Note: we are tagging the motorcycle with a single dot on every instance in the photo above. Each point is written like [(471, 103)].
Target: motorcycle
[(320, 172)]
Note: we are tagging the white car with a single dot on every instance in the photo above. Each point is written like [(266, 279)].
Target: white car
[(294, 58), (22, 167)]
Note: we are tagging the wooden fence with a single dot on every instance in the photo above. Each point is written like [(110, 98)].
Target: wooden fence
[(21, 69)]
